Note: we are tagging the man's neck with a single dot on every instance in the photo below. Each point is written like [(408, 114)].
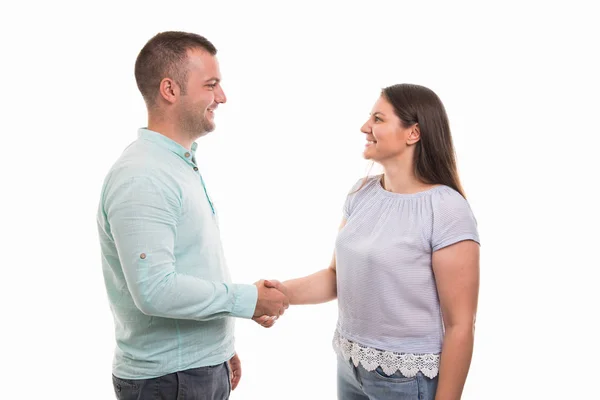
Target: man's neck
[(170, 130)]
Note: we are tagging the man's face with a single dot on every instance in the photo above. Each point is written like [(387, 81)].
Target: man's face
[(203, 94)]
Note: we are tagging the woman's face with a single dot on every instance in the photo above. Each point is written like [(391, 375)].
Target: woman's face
[(386, 137)]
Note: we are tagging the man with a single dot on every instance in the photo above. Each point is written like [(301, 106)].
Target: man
[(167, 282)]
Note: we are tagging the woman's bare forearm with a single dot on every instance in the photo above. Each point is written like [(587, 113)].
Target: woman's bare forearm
[(317, 288), (454, 362)]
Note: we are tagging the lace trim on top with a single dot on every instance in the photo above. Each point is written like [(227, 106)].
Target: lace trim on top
[(408, 364)]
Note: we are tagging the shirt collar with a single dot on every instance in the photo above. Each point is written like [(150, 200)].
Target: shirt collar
[(169, 144)]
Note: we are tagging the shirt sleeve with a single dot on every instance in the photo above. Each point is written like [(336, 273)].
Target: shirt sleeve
[(350, 198), (453, 220), (142, 215)]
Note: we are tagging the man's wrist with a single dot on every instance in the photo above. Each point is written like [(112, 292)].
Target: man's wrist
[(246, 297)]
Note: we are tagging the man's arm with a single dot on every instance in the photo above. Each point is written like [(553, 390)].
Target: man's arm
[(143, 218)]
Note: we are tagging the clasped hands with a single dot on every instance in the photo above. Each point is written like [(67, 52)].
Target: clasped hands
[(273, 300)]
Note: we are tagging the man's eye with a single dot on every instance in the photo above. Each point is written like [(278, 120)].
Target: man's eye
[(377, 119)]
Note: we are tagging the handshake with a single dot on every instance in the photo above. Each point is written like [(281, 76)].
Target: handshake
[(273, 300)]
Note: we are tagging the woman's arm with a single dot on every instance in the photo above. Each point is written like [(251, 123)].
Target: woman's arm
[(456, 270), (319, 287)]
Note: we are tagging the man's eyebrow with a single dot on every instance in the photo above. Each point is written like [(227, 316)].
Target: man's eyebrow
[(217, 80)]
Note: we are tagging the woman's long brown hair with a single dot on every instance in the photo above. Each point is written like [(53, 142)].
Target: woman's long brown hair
[(435, 158)]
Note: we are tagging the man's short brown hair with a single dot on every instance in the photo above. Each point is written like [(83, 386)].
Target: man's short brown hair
[(164, 56)]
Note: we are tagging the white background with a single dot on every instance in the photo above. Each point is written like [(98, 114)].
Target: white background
[(521, 87)]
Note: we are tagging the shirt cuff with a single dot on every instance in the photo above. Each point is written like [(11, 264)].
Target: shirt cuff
[(246, 297)]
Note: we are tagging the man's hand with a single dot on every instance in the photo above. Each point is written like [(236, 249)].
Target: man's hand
[(274, 284), (235, 371), (265, 321), (271, 302)]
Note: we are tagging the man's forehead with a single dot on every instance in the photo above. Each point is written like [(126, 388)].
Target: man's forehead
[(202, 59)]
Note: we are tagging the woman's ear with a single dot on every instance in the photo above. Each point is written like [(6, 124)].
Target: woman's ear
[(414, 136)]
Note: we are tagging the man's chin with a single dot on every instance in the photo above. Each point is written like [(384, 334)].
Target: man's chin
[(210, 126), (209, 122), (206, 128)]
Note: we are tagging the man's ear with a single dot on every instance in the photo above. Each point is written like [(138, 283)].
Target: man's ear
[(169, 90)]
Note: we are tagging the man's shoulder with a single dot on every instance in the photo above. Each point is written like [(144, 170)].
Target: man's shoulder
[(140, 162)]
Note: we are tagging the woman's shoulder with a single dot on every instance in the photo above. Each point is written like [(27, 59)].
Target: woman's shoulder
[(446, 200), (364, 182), (444, 194)]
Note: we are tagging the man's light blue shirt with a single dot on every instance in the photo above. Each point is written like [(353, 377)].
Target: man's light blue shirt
[(165, 273)]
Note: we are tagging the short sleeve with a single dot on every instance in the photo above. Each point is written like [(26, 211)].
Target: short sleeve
[(453, 220), (351, 197)]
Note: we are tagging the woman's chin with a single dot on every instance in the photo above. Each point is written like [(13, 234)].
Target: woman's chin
[(368, 155)]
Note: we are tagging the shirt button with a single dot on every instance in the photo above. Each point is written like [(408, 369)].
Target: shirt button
[(187, 154), (195, 168), (143, 256)]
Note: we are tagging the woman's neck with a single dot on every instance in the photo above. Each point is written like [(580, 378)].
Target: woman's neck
[(400, 178)]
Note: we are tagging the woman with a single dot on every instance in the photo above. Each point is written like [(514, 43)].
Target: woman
[(406, 264)]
